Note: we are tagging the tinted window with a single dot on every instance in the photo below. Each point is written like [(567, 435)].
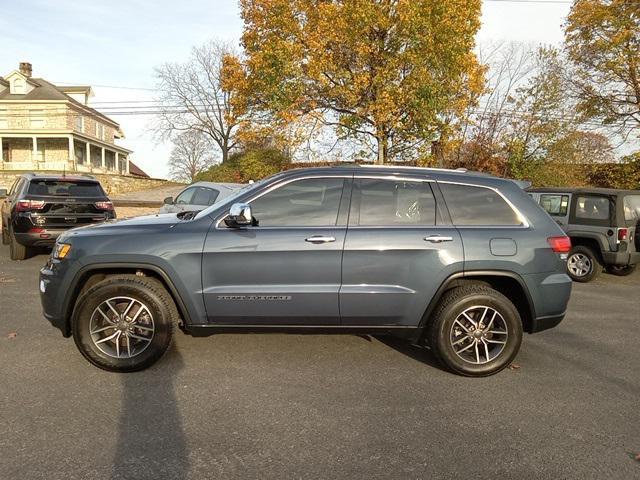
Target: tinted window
[(469, 205), (185, 197), (592, 208), (632, 207), (65, 188), (311, 203), (204, 196), (390, 202), (556, 205)]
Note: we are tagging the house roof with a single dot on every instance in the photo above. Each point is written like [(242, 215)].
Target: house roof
[(137, 171), (45, 90)]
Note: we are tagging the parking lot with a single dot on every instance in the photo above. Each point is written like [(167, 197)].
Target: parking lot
[(307, 406)]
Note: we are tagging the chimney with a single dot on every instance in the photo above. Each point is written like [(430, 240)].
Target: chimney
[(25, 69)]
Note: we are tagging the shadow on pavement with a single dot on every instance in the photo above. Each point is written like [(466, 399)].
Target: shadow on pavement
[(151, 440), (415, 352)]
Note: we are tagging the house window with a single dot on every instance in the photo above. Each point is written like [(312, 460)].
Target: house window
[(79, 123), (18, 87), (100, 131), (3, 118), (36, 118)]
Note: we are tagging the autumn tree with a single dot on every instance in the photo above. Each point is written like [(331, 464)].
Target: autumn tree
[(386, 70), (602, 39), (193, 99), (192, 153)]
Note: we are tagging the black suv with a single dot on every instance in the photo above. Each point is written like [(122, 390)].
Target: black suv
[(603, 225), (39, 208)]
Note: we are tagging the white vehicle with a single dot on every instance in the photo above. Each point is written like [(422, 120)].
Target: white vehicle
[(199, 196)]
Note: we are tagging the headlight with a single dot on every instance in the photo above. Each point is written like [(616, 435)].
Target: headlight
[(61, 250)]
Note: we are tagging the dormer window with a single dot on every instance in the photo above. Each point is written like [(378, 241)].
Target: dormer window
[(18, 86)]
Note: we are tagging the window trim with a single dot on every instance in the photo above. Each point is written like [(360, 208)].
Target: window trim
[(525, 221), (346, 188)]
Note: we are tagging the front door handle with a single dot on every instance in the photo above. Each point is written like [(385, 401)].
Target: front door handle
[(437, 239), (320, 239)]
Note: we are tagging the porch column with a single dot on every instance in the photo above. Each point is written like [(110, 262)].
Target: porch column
[(104, 165), (72, 152), (127, 165), (115, 156), (88, 159), (34, 152), (1, 159)]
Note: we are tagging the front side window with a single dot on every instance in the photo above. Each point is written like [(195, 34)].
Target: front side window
[(555, 205), (632, 208), (312, 202), (592, 208), (381, 202), (471, 205), (185, 197), (204, 196)]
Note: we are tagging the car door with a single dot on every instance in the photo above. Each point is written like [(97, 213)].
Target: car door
[(286, 269), (398, 250)]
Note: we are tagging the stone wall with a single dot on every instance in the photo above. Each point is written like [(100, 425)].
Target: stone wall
[(112, 183)]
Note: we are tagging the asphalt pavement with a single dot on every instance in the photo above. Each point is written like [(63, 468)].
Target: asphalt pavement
[(322, 407)]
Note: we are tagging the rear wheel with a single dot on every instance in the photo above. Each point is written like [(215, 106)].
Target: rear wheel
[(5, 236), (475, 331), (124, 323), (17, 251), (621, 271), (583, 264)]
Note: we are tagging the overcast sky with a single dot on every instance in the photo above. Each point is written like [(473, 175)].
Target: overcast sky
[(117, 43)]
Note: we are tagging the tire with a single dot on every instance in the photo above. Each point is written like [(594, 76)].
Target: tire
[(17, 251), (621, 271), (447, 328), (5, 236), (155, 325), (583, 265)]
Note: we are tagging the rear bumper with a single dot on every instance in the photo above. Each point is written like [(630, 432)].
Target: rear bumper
[(41, 238), (621, 258)]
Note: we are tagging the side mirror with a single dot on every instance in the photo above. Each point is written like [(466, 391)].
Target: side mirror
[(239, 215), (3, 192), (168, 201)]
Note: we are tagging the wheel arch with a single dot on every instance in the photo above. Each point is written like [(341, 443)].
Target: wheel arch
[(597, 243), (93, 274), (509, 284)]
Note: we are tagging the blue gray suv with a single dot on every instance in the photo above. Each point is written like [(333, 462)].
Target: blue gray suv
[(461, 262)]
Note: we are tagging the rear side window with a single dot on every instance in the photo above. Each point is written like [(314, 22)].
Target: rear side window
[(592, 208), (555, 205), (632, 208), (65, 188), (380, 202), (204, 196), (471, 205)]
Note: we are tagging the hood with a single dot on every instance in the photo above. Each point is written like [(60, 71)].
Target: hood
[(133, 225)]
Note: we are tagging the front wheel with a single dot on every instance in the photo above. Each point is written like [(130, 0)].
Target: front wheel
[(583, 264), (475, 331), (621, 271), (124, 323)]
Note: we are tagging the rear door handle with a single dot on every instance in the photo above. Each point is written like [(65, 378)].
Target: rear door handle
[(320, 239), (437, 239)]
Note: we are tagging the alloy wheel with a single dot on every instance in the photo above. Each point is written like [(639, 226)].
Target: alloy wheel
[(479, 334), (579, 264), (122, 327)]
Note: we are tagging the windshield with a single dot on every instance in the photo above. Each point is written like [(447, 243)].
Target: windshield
[(632, 208), (230, 199)]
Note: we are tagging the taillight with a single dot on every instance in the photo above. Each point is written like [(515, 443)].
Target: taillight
[(27, 205), (560, 244), (104, 205), (623, 234)]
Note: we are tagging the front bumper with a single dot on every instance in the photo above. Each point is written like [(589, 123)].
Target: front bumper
[(54, 284)]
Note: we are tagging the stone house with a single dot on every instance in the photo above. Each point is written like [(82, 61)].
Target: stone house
[(50, 127)]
